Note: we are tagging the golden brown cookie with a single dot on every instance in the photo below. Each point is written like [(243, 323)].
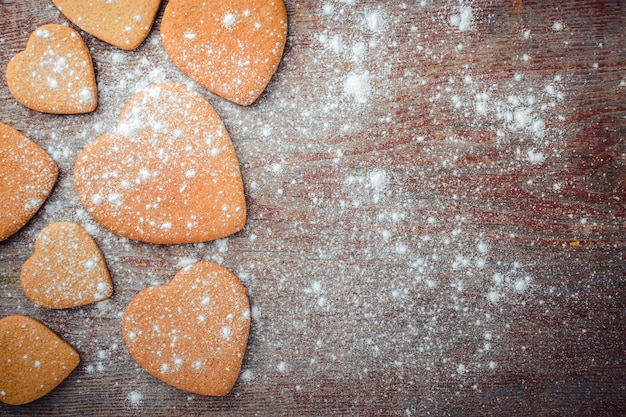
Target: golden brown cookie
[(232, 48), (33, 360), (66, 270), (123, 23), (27, 176), (169, 174), (54, 74), (193, 332)]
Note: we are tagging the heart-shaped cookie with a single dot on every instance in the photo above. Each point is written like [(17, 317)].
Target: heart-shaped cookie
[(123, 23), (54, 74), (27, 176), (66, 270), (193, 332), (169, 174), (230, 47), (33, 360)]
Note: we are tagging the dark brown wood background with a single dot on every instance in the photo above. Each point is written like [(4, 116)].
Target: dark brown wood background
[(448, 241)]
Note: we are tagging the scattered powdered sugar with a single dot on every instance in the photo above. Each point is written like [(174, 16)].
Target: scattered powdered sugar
[(229, 20), (247, 375), (358, 86), (226, 332), (282, 367), (52, 82), (42, 33), (359, 48), (463, 19), (135, 398), (378, 179), (375, 21), (535, 157), (447, 282), (85, 95)]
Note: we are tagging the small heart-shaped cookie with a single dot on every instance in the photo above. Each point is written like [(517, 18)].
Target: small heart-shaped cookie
[(66, 270), (27, 176), (230, 47), (169, 174), (54, 74), (123, 23), (33, 360), (193, 332)]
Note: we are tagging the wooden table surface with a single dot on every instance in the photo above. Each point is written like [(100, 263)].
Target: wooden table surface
[(436, 224)]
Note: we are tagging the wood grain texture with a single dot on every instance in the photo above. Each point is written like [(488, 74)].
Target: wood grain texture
[(436, 219)]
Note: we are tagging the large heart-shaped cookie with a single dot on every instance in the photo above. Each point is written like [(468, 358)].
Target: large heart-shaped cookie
[(123, 23), (193, 332), (54, 74), (169, 174), (33, 360), (27, 176), (230, 47), (66, 270)]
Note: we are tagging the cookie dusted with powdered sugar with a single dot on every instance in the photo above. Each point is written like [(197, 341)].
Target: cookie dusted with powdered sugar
[(191, 333), (54, 74), (231, 48)]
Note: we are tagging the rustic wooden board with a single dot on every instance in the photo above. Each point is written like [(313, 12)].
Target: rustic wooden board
[(436, 223)]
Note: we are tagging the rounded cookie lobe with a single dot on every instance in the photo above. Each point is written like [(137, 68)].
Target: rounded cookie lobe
[(27, 176), (169, 173), (231, 48), (66, 270), (33, 360), (54, 74), (122, 23), (191, 333)]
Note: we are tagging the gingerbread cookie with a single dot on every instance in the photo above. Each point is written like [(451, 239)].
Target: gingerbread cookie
[(27, 176), (193, 332), (67, 269), (33, 360), (54, 74), (169, 174), (232, 48), (123, 23)]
